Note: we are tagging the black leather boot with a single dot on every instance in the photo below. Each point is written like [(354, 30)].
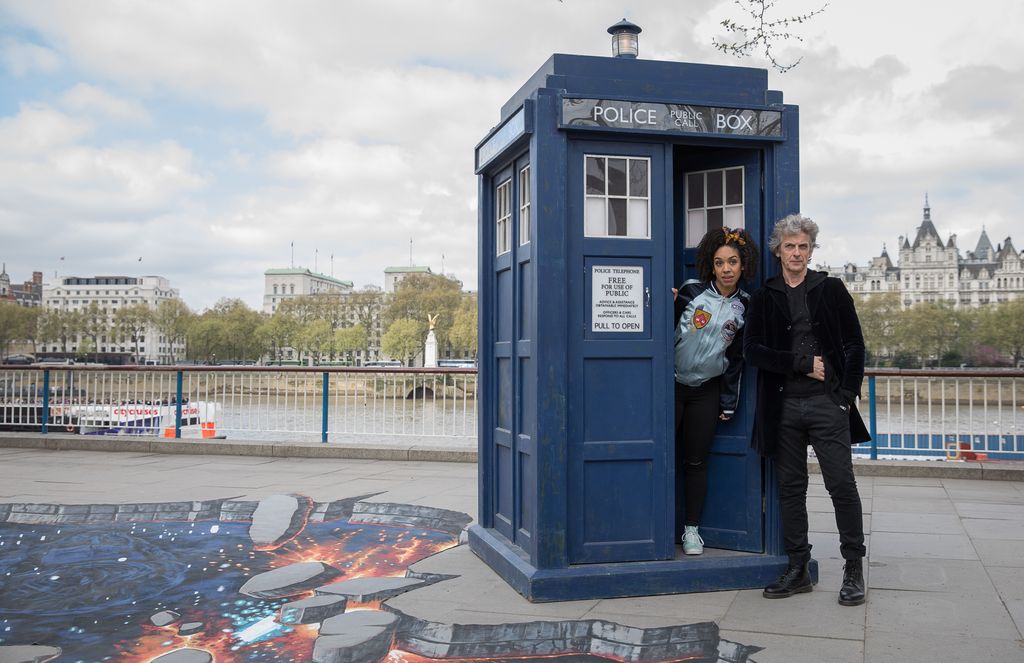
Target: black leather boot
[(795, 580), (852, 591)]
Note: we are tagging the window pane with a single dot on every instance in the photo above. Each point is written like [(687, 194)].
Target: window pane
[(617, 216), (695, 190), (734, 186), (616, 177), (694, 227), (637, 221), (595, 175), (714, 218), (596, 221), (714, 188), (734, 216), (638, 177)]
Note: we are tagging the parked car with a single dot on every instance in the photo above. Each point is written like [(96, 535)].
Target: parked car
[(19, 360)]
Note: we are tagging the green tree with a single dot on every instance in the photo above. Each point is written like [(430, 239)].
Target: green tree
[(351, 339), (131, 323), (879, 316), (12, 325), (94, 325), (278, 332), (172, 319), (59, 326), (315, 338), (463, 335), (404, 339), (420, 295), (929, 330), (1002, 327)]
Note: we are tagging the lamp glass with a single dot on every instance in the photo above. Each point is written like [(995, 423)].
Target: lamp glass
[(624, 44)]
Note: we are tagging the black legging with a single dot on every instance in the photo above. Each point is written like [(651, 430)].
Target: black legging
[(697, 410)]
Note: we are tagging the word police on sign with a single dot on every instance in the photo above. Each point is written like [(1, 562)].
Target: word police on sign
[(617, 298), (681, 118)]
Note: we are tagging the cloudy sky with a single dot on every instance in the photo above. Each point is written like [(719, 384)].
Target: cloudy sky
[(205, 137)]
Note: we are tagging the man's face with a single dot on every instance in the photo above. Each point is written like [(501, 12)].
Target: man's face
[(795, 253)]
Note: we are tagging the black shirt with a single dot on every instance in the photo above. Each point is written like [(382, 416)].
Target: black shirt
[(804, 345)]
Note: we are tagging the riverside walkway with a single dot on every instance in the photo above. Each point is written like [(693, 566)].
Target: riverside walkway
[(179, 556)]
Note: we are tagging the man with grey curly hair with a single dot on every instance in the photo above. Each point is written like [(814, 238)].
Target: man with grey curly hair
[(804, 337)]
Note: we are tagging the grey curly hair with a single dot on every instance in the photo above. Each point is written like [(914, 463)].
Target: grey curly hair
[(794, 224)]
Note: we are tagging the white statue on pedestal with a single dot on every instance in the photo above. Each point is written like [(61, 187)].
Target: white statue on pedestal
[(430, 353)]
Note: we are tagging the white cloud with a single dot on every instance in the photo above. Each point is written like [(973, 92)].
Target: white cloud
[(85, 98), (21, 58), (357, 125)]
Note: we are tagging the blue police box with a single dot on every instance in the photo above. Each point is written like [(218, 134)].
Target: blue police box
[(594, 190)]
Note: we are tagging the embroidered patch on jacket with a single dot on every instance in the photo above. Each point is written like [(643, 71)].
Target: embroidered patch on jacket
[(729, 331), (701, 318), (737, 306)]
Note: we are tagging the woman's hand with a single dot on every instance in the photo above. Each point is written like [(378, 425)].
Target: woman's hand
[(675, 294)]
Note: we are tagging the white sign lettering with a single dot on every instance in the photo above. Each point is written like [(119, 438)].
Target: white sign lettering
[(617, 298)]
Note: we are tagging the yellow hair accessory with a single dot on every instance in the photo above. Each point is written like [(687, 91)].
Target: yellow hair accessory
[(733, 236)]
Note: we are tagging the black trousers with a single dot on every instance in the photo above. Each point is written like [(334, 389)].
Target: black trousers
[(817, 421), (697, 410)]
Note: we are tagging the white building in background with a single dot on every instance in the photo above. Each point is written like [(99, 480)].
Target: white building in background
[(932, 270), (394, 275), (282, 284), (111, 293)]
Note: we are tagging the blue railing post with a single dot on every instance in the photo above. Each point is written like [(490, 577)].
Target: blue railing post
[(177, 408), (873, 418), (46, 401), (323, 428)]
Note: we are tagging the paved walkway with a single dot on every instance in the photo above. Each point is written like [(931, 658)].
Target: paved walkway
[(945, 565)]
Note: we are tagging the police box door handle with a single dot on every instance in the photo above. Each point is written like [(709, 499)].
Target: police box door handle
[(647, 297)]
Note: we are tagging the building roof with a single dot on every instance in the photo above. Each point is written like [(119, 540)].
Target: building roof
[(419, 269), (302, 271), (984, 250)]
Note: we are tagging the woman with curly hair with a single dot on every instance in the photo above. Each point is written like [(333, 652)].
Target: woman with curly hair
[(709, 315)]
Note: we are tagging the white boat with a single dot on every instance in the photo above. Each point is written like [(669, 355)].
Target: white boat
[(198, 419)]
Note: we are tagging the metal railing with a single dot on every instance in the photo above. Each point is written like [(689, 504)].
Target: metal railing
[(955, 414), (271, 403)]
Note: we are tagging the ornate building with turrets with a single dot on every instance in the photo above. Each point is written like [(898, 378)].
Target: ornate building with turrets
[(928, 269)]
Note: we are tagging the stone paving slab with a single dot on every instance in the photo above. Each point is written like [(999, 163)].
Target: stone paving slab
[(933, 595)]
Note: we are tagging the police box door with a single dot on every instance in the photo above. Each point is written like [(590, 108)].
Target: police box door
[(715, 188), (619, 338)]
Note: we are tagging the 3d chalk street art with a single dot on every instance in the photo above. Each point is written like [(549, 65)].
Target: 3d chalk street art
[(280, 579)]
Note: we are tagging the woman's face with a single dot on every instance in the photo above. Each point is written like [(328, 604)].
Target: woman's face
[(728, 268)]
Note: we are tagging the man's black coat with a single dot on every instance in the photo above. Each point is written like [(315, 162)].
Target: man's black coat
[(767, 347)]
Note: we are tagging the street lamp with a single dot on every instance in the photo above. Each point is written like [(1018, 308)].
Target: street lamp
[(624, 39)]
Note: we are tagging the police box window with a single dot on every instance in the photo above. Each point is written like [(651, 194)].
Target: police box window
[(503, 214), (618, 197), (714, 198)]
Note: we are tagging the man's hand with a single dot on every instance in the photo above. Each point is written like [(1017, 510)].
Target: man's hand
[(819, 370)]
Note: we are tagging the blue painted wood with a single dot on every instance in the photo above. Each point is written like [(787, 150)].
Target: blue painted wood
[(566, 486), (732, 516)]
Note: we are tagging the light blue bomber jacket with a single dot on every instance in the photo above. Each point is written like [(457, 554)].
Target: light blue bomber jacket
[(709, 339)]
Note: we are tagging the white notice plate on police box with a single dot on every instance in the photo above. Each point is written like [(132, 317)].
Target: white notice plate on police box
[(617, 303)]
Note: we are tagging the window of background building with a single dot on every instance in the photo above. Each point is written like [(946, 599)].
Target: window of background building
[(503, 218), (714, 198), (618, 197), (524, 205)]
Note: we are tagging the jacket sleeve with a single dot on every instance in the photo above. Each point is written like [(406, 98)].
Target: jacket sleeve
[(730, 390), (853, 341), (756, 348)]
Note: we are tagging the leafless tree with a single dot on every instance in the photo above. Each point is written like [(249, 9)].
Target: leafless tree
[(763, 32)]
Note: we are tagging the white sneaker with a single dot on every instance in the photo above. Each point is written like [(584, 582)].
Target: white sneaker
[(692, 543)]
